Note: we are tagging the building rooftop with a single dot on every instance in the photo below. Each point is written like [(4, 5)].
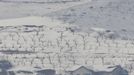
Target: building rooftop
[(94, 68)]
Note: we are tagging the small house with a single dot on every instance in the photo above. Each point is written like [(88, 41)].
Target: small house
[(22, 71), (119, 71), (79, 70), (103, 70), (113, 70), (46, 72)]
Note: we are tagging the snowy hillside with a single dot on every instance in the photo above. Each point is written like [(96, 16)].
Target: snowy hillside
[(40, 1), (115, 15), (74, 33), (13, 9), (60, 46)]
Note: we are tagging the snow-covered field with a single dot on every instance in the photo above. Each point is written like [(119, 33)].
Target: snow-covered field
[(115, 15), (84, 32), (58, 45), (19, 9), (40, 1)]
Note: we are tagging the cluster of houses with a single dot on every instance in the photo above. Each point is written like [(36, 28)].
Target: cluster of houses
[(76, 70), (27, 71), (100, 70)]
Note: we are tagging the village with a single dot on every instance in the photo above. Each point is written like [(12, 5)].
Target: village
[(6, 69)]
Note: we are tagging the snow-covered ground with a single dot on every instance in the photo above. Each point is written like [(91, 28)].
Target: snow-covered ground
[(57, 45), (116, 15), (59, 42), (13, 9), (40, 1)]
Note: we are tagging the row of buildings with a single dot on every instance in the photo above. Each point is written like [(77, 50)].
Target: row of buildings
[(100, 70), (76, 70)]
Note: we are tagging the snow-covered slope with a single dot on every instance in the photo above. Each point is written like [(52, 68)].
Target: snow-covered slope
[(41, 1), (50, 43), (31, 20), (13, 9), (115, 15), (60, 46)]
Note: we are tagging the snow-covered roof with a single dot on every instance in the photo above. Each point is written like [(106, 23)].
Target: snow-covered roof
[(32, 20), (21, 68), (77, 67), (73, 68), (97, 68), (47, 68), (28, 68)]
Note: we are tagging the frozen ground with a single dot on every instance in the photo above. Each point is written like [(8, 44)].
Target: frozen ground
[(15, 9), (57, 42), (116, 15), (58, 45)]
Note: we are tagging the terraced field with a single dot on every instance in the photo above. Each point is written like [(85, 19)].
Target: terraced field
[(62, 46)]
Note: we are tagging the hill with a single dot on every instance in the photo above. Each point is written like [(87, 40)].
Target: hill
[(24, 8), (56, 45), (114, 15)]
